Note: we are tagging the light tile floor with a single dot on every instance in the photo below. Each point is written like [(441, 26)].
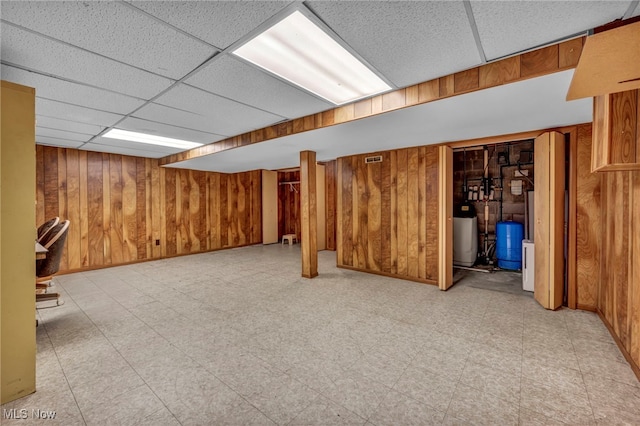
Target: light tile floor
[(236, 337)]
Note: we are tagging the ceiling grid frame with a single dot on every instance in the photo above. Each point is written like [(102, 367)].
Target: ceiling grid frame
[(248, 28)]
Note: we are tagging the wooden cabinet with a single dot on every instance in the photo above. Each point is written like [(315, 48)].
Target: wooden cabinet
[(616, 132)]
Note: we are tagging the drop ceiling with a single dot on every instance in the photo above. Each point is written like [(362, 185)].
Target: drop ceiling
[(165, 68)]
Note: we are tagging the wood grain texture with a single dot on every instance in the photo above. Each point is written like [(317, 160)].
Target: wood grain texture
[(394, 100), (447, 86), (413, 218), (556, 209), (539, 62), (374, 215), (616, 132), (130, 209), (466, 81), (445, 217), (339, 208), (431, 212), (331, 177), (499, 72), (428, 91), (618, 258), (73, 208), (422, 213), (608, 62), (40, 212), (402, 211), (385, 213), (256, 209), (634, 283), (624, 126), (119, 206), (549, 219), (569, 52), (106, 209), (84, 207), (588, 225), (601, 133), (542, 232), (308, 209)]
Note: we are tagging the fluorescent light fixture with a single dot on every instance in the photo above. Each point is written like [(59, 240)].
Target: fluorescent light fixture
[(150, 139), (297, 50)]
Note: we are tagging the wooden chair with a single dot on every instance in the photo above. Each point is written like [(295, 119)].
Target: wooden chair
[(46, 227), (53, 241)]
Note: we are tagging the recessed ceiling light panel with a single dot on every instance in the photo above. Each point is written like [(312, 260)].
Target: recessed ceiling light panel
[(297, 50), (150, 139)]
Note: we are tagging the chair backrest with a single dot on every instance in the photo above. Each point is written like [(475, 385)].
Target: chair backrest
[(54, 242), (46, 227)]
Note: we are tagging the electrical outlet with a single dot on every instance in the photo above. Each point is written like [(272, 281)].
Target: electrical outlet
[(157, 242), (520, 173)]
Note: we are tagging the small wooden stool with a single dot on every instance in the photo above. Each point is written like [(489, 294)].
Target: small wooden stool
[(289, 237)]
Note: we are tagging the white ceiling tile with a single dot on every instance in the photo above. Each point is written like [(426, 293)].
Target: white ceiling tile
[(70, 126), (65, 143), (73, 93), (244, 83), (109, 28), (219, 23), (29, 50), (145, 150), (513, 26), (75, 113), (407, 41), (160, 129), (176, 117), (62, 134), (217, 115)]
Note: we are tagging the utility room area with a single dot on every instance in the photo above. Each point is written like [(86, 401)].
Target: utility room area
[(493, 215)]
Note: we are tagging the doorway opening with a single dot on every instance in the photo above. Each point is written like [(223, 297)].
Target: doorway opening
[(493, 212)]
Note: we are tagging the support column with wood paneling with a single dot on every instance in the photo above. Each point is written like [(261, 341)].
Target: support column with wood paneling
[(445, 217), (308, 209)]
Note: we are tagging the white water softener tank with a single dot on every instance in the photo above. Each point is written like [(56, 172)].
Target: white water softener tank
[(465, 240)]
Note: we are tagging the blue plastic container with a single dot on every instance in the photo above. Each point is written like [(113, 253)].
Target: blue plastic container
[(509, 245)]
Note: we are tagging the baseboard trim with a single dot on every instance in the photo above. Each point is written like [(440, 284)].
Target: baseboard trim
[(133, 262), (627, 356), (589, 308), (386, 274)]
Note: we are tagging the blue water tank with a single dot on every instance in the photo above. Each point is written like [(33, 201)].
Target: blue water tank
[(509, 244)]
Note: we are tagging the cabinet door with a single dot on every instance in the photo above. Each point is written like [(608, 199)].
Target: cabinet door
[(549, 219), (616, 132)]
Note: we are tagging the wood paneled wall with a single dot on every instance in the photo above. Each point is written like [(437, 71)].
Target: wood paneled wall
[(119, 206), (331, 176), (289, 204), (387, 214), (619, 293), (588, 224)]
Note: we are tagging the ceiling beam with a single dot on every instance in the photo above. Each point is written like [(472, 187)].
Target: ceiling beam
[(544, 61)]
